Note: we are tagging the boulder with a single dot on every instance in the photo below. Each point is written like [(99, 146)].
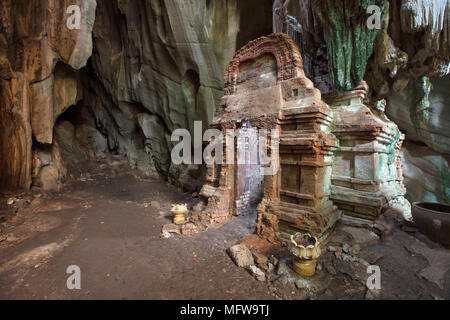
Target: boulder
[(241, 255), (257, 273)]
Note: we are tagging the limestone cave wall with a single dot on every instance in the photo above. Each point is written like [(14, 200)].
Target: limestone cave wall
[(133, 73), (161, 65), (39, 57)]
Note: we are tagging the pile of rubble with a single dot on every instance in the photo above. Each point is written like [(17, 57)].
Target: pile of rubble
[(278, 274), (197, 220), (170, 229), (257, 264), (341, 270)]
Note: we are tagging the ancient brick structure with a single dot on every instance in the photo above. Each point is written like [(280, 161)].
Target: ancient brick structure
[(332, 160), (367, 171)]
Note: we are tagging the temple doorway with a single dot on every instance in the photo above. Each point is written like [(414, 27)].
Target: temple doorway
[(249, 170)]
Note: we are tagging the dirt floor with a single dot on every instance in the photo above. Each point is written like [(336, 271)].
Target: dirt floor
[(109, 224)]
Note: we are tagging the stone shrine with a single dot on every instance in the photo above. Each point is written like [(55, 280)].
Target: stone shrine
[(338, 160)]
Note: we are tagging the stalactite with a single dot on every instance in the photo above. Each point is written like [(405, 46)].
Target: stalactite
[(349, 40)]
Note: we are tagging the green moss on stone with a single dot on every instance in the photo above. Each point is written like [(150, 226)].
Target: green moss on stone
[(350, 41)]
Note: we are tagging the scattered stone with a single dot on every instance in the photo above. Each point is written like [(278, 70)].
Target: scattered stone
[(11, 202), (349, 258), (355, 250), (346, 248), (259, 258), (195, 195), (267, 267), (166, 235), (362, 236), (189, 229), (274, 261), (334, 249), (241, 255), (257, 273), (171, 228)]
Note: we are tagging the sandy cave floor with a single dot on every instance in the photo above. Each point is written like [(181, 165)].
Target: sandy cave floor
[(109, 224)]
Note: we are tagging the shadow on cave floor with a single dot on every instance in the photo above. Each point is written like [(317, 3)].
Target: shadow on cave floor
[(110, 226), (108, 223)]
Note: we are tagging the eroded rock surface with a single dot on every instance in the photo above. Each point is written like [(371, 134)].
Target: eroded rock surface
[(38, 56), (158, 67), (155, 66), (422, 112)]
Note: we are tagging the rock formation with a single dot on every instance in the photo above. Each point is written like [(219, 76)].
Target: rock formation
[(420, 110), (38, 57), (154, 66), (406, 65), (135, 71), (162, 63)]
